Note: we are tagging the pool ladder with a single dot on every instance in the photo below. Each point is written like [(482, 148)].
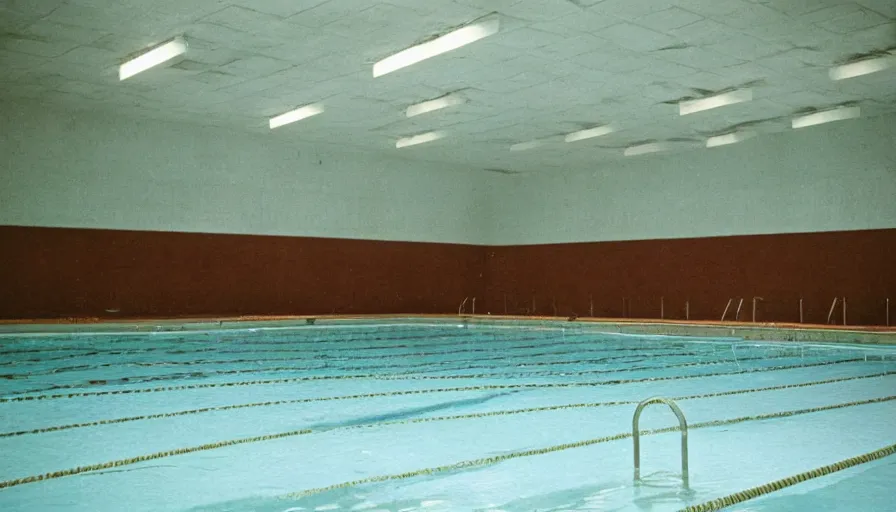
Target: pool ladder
[(683, 425)]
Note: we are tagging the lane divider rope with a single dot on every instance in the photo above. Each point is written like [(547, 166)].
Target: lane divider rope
[(777, 485), (458, 465), (487, 461), (323, 364), (410, 392), (146, 417)]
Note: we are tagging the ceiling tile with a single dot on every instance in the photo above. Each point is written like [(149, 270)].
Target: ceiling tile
[(584, 22), (635, 38), (528, 38), (668, 19), (57, 31), (698, 58), (858, 20), (747, 47), (36, 46), (280, 8), (627, 9), (884, 7), (702, 32)]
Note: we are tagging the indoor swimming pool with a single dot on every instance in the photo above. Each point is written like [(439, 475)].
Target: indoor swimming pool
[(439, 416)]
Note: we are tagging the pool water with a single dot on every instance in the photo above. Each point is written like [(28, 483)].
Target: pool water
[(438, 417)]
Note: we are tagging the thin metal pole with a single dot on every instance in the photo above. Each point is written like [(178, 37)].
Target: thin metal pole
[(801, 310), (662, 309), (687, 310), (844, 310), (460, 310), (474, 305), (739, 305), (754, 307), (831, 311), (727, 306), (591, 304)]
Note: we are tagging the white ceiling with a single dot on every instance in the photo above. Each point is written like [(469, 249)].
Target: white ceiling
[(556, 66)]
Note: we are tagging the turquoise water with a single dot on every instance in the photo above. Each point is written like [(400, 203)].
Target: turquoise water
[(442, 417)]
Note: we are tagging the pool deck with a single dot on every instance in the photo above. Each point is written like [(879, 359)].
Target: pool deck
[(878, 335)]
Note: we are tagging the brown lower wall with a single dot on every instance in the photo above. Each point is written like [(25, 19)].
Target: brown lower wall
[(59, 272), (705, 272), (53, 272)]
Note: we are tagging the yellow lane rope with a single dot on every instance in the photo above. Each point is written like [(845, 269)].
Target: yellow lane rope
[(417, 367), (412, 392), (459, 465), (145, 417), (422, 374), (487, 461), (755, 492)]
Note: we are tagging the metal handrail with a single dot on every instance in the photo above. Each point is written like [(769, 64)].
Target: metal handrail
[(831, 311), (755, 299), (460, 309), (727, 307), (683, 424)]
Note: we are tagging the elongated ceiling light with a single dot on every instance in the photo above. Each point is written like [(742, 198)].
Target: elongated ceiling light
[(446, 101), (442, 44), (153, 57), (826, 116), (729, 138), (643, 149), (418, 139), (296, 115), (719, 100), (861, 67), (523, 146), (589, 133)]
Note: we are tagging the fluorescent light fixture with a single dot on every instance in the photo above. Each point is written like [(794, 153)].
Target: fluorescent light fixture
[(296, 115), (523, 146), (826, 116), (589, 133), (418, 139), (729, 138), (719, 100), (449, 100), (153, 57), (861, 67), (643, 149), (450, 41)]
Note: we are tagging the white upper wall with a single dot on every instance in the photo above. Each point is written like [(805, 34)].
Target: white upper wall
[(94, 170), (839, 176)]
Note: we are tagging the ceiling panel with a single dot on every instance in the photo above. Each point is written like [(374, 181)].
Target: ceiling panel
[(556, 66)]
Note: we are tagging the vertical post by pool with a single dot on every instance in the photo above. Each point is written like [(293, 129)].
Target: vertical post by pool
[(662, 309), (831, 311), (801, 310), (687, 310), (591, 304), (844, 310)]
